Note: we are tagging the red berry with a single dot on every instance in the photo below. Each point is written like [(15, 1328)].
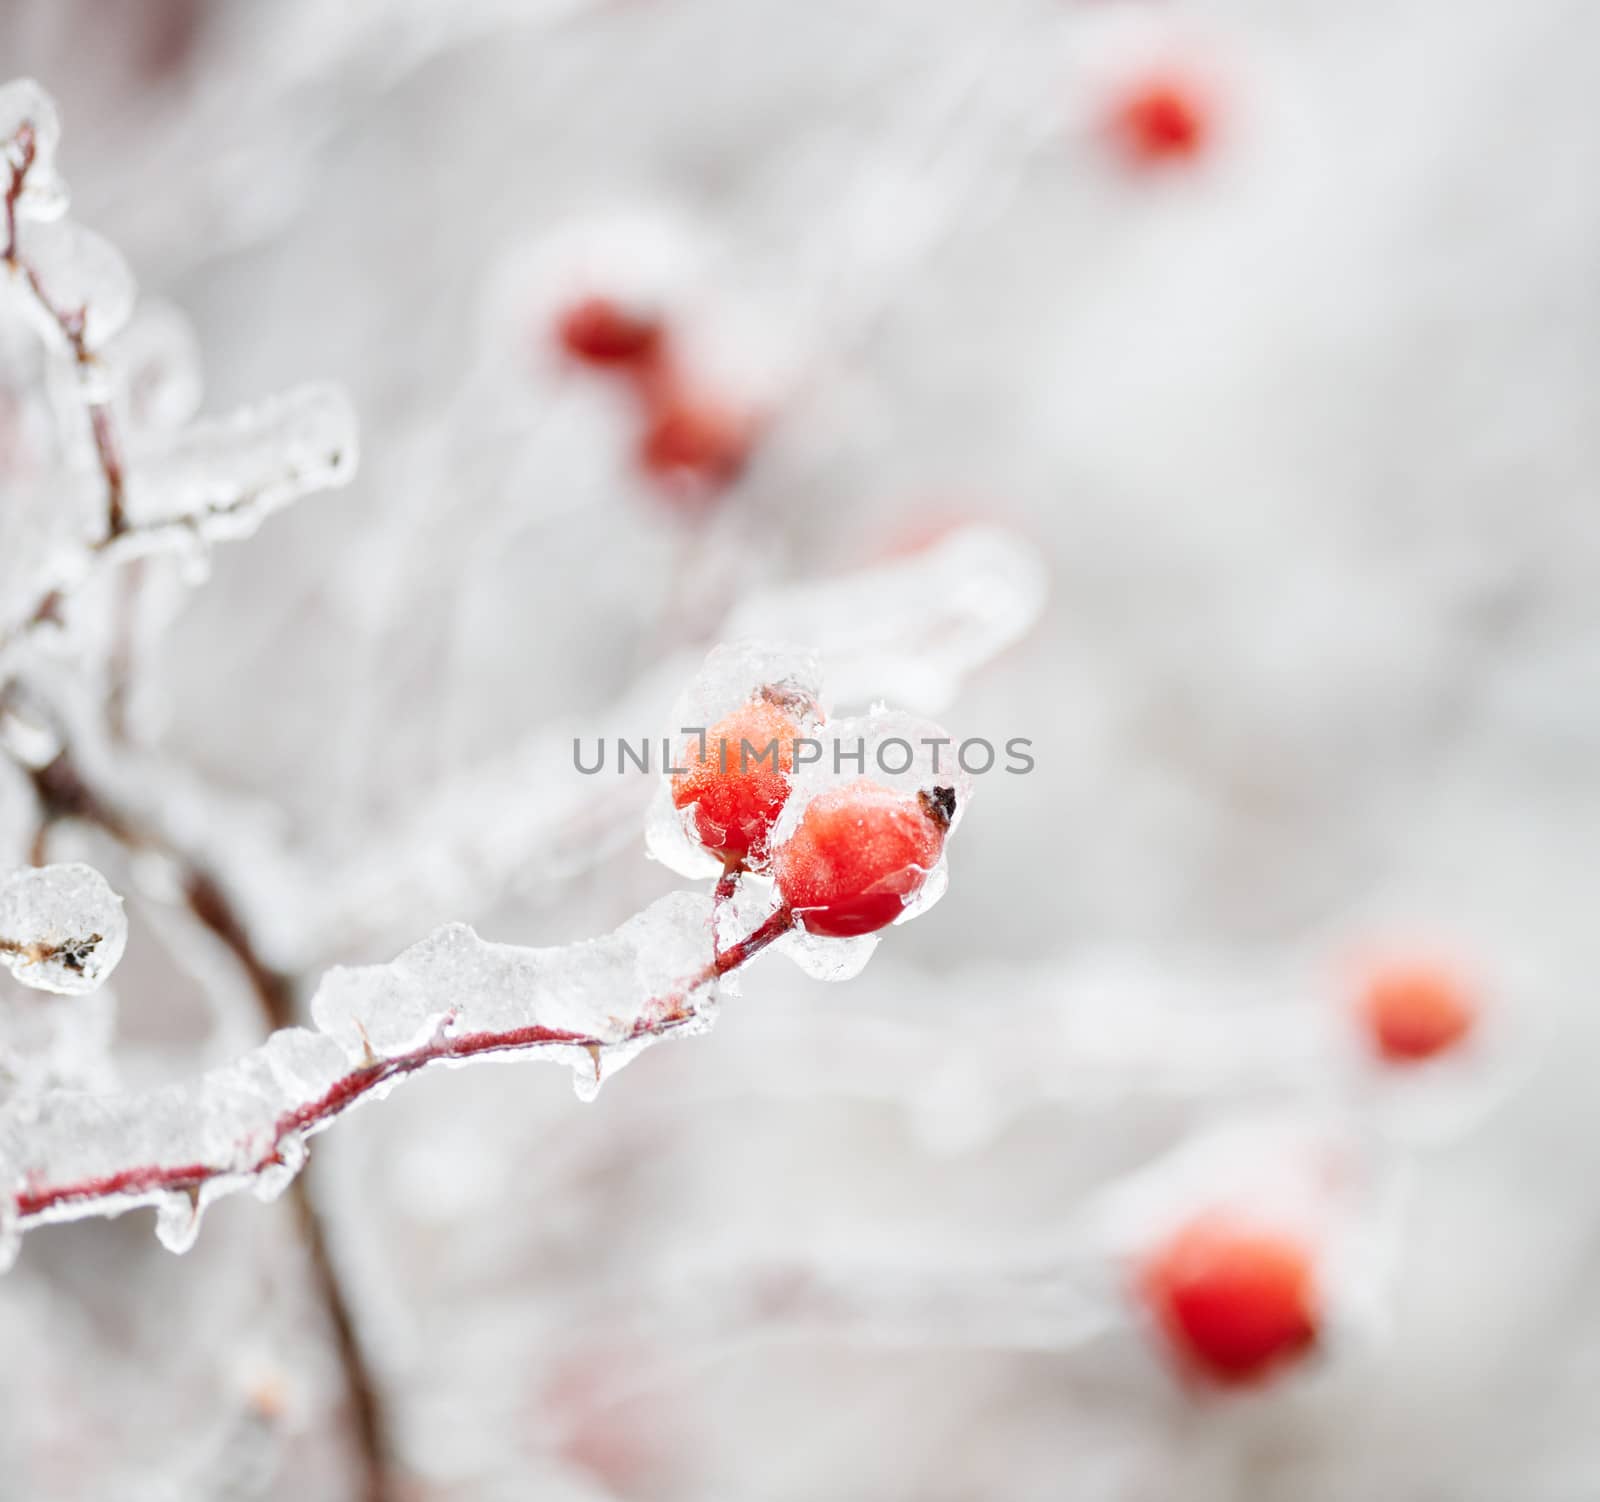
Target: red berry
[(1236, 1301), (1162, 119), (860, 853), (737, 794), (601, 332), (696, 442), (1415, 1011)]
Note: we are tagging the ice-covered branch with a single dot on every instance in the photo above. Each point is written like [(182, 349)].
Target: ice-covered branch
[(214, 480), (449, 1000)]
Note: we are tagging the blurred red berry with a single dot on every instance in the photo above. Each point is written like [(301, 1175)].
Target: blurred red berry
[(737, 795), (1162, 119), (601, 332), (860, 853), (1416, 1011), (703, 444), (1235, 1301)]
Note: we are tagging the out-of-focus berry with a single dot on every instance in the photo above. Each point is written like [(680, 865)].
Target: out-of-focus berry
[(601, 332), (1162, 119), (694, 443), (1235, 1301), (1416, 1011)]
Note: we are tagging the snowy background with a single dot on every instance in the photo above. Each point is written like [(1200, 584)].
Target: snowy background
[(1305, 426)]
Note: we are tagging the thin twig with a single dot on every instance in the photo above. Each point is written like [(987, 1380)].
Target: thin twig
[(73, 324)]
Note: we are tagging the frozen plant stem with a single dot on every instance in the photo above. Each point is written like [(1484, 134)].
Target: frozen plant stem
[(63, 793), (71, 952), (671, 1012), (73, 324)]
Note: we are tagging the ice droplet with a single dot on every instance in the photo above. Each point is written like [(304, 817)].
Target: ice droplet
[(178, 1220), (912, 628), (62, 928), (223, 476), (828, 959)]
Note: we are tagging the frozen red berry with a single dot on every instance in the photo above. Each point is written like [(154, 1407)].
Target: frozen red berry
[(738, 786), (693, 442), (1416, 1011), (1235, 1300), (1164, 118), (601, 332), (860, 853)]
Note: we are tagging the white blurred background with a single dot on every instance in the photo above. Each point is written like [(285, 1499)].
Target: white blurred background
[(1298, 396)]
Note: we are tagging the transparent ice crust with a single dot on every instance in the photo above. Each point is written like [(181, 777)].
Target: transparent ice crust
[(62, 928), (733, 674), (448, 1000), (902, 751), (913, 627)]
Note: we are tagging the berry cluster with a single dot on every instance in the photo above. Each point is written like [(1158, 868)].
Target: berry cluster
[(858, 854), (691, 443)]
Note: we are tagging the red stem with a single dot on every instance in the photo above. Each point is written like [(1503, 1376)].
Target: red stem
[(38, 1199)]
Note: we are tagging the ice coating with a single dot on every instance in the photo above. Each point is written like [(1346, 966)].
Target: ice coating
[(62, 928), (223, 476), (903, 751), (518, 817), (47, 1046), (915, 626), (24, 106), (123, 477), (448, 1000), (733, 674), (76, 273), (157, 360)]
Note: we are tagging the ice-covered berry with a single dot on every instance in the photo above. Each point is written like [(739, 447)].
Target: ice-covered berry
[(601, 332), (1416, 1011), (738, 786), (860, 853), (692, 441), (1163, 118), (1236, 1301)]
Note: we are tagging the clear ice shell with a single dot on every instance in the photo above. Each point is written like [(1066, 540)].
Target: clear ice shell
[(732, 675), (77, 272), (63, 926), (598, 990), (225, 475), (22, 101), (911, 629), (244, 1125)]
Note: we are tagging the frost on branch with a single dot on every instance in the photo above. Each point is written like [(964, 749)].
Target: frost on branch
[(62, 928), (448, 1000)]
